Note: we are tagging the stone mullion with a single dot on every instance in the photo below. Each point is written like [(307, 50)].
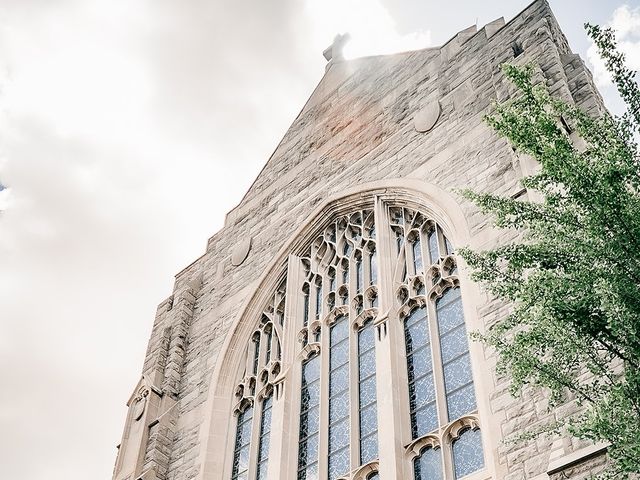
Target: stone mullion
[(285, 410), (390, 434)]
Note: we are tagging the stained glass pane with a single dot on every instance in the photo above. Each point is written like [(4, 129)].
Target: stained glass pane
[(368, 391), (454, 349), (374, 476), (417, 256), (368, 420), (420, 362), (309, 420), (417, 335), (359, 275), (449, 309), (339, 330), (434, 253), (340, 353), (457, 373), (367, 394), (366, 338), (419, 369), (454, 343), (369, 448), (311, 370), (368, 362), (461, 402), (339, 435), (338, 458), (256, 353), (339, 405), (417, 316), (305, 320), (424, 420), (318, 300), (242, 445), (373, 268), (339, 379), (263, 446), (428, 466), (424, 391), (338, 463), (467, 453)]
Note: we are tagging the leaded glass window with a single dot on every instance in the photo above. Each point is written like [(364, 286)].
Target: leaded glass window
[(373, 268), (436, 343), (309, 420), (454, 348), (416, 247), (422, 394), (337, 331), (428, 465), (467, 452), (242, 445), (263, 446), (344, 326), (339, 438), (261, 372), (367, 393)]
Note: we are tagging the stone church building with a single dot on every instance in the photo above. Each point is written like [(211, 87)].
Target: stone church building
[(324, 332)]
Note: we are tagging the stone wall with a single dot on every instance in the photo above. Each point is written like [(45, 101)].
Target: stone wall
[(356, 128)]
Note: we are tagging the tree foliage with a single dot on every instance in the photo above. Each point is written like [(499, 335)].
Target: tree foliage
[(574, 278)]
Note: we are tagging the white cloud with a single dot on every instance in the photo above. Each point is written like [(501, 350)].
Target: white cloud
[(127, 131), (372, 29), (626, 23)]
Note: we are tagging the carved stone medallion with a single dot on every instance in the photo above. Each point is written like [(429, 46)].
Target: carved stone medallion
[(426, 118), (241, 251)]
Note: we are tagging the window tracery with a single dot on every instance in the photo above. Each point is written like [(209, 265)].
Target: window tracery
[(343, 257), (335, 319), (256, 389)]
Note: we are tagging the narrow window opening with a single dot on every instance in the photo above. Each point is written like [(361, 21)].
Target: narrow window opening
[(373, 267), (263, 444), (517, 49), (417, 256), (309, 420), (367, 394), (242, 445), (422, 394), (339, 441)]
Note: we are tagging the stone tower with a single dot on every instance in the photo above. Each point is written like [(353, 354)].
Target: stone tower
[(323, 333)]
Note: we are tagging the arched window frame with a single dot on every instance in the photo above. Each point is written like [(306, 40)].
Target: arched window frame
[(306, 347), (262, 373), (422, 290)]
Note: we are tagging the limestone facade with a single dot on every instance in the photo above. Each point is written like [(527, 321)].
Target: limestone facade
[(378, 135)]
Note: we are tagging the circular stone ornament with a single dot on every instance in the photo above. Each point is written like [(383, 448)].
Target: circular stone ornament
[(427, 117), (241, 252)]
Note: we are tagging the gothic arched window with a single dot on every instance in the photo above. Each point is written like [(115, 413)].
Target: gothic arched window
[(440, 379), (254, 393), (365, 272)]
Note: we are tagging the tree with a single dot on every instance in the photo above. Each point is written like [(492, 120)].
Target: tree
[(574, 277)]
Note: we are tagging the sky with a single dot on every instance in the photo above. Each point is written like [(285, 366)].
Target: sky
[(128, 128)]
